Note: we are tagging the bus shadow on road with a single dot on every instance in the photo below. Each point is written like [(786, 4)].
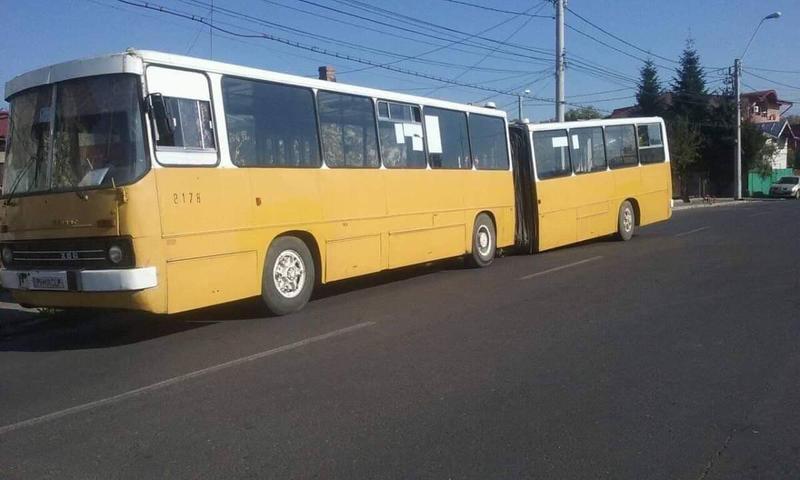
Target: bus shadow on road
[(66, 331)]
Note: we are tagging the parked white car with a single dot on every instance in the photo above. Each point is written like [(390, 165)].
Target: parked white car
[(787, 187)]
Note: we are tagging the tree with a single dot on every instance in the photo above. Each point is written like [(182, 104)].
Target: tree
[(649, 90), (684, 145), (582, 113), (757, 151), (689, 86)]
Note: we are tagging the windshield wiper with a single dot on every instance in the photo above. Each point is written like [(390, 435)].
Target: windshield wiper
[(18, 180)]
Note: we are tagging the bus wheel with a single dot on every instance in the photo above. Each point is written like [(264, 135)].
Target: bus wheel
[(484, 242), (288, 276), (627, 221)]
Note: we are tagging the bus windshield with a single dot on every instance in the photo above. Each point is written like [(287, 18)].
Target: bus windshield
[(76, 134)]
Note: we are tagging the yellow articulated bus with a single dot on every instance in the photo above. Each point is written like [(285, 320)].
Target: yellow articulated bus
[(163, 183), (587, 179)]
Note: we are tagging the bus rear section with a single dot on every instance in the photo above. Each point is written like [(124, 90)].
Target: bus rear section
[(589, 179)]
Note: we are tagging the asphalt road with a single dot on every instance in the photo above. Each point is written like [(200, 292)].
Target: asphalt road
[(673, 356)]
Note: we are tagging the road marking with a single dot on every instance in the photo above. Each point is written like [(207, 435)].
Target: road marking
[(692, 231), (180, 378), (562, 267)]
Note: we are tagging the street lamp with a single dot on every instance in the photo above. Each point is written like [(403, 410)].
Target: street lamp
[(737, 72), (519, 103)]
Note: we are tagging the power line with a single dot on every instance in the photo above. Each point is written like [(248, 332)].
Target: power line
[(597, 40), (500, 10), (619, 39), (408, 20), (797, 72), (794, 87), (196, 18), (362, 26), (263, 22), (474, 65), (601, 93)]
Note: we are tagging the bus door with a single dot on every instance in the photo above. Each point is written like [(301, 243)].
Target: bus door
[(593, 183), (555, 189)]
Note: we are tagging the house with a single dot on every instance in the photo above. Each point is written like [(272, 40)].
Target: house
[(781, 135), (763, 106), (3, 135)]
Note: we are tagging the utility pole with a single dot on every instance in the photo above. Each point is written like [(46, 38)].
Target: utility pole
[(737, 74), (560, 4)]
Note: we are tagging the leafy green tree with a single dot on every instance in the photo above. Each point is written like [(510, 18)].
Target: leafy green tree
[(649, 90), (684, 145), (689, 86), (582, 113)]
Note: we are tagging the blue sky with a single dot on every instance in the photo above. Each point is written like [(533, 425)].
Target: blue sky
[(42, 32)]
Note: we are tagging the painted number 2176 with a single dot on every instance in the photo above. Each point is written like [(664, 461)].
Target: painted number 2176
[(185, 198)]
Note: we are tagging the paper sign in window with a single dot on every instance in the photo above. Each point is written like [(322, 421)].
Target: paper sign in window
[(560, 142), (434, 136), (576, 144), (398, 133), (412, 129), (416, 143)]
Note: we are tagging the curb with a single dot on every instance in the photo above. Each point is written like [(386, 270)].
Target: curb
[(726, 203)]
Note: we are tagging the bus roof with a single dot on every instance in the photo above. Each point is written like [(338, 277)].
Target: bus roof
[(135, 61), (599, 122)]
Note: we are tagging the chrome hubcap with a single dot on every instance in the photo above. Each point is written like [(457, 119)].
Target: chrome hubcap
[(484, 241), (289, 274), (627, 219)]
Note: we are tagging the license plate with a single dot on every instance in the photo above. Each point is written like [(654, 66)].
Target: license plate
[(43, 281)]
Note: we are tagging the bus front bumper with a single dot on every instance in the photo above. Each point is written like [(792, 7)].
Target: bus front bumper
[(121, 280)]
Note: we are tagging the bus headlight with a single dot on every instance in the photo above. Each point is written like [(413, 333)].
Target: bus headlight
[(115, 254), (8, 256)]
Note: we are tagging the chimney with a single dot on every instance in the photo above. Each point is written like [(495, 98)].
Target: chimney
[(327, 73)]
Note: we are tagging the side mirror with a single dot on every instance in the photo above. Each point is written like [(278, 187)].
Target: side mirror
[(162, 115)]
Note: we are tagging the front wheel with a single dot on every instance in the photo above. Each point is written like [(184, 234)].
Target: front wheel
[(289, 276), (484, 242), (626, 222)]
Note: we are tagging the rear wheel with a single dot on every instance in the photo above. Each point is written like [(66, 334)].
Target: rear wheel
[(627, 221), (289, 276), (484, 242)]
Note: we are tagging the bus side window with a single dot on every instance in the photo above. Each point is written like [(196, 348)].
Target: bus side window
[(182, 114), (587, 150), (347, 128), (401, 135), (488, 139), (551, 153), (188, 124), (270, 124), (651, 145), (621, 146), (448, 138)]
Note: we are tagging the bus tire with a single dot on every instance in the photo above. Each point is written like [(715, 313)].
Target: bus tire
[(484, 242), (626, 222), (289, 276)]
